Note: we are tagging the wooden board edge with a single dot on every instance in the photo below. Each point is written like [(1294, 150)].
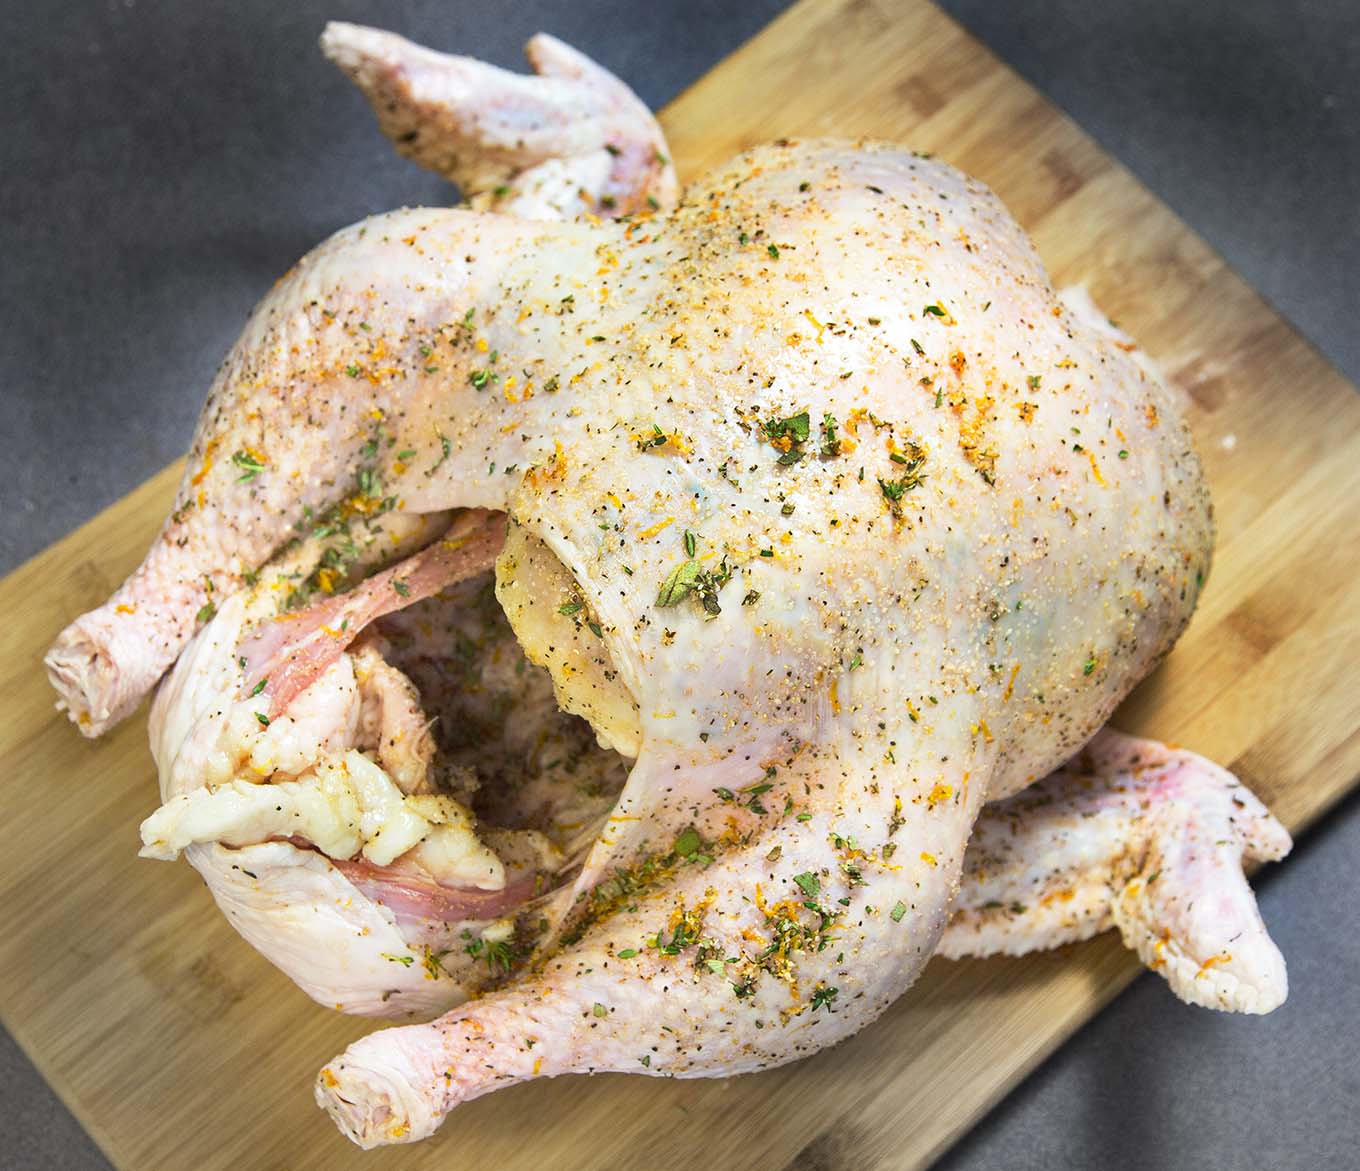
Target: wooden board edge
[(52, 1079), (161, 484)]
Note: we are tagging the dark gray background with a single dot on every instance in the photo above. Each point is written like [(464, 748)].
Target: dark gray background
[(163, 162)]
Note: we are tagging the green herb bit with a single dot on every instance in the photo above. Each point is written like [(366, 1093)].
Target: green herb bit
[(627, 953), (366, 480), (823, 997), (687, 844), (1033, 380), (263, 719), (789, 435), (707, 585), (808, 883), (678, 584), (479, 378), (686, 934), (773, 250), (259, 687), (1089, 665), (249, 465), (796, 427), (934, 310), (445, 448), (753, 793), (206, 612), (404, 961), (658, 438), (569, 608), (912, 475), (498, 953), (831, 446), (401, 587), (915, 345), (691, 543)]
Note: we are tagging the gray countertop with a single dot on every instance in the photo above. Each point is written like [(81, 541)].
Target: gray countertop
[(164, 162)]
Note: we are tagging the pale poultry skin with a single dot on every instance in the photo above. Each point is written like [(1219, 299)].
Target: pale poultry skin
[(808, 494)]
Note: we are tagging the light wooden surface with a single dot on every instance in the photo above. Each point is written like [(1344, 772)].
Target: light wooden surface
[(177, 1046)]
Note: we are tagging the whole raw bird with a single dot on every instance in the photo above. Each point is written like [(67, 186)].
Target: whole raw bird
[(638, 625)]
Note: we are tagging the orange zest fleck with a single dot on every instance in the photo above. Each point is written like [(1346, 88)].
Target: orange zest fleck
[(648, 533)]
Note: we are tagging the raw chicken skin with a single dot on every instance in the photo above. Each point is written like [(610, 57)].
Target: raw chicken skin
[(1132, 834), (822, 509)]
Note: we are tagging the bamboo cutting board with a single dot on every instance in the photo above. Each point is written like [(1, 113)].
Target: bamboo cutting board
[(177, 1046)]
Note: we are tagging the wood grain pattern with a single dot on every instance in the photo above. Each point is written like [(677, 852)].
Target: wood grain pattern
[(176, 1045)]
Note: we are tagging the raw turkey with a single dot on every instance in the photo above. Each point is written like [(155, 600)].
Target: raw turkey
[(647, 629)]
